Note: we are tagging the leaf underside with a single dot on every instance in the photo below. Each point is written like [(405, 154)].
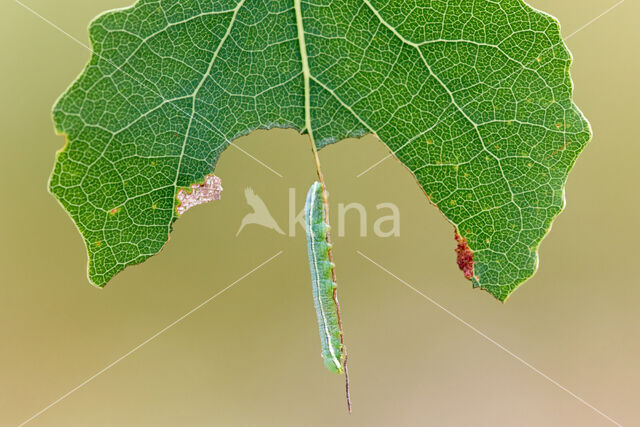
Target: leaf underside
[(474, 97)]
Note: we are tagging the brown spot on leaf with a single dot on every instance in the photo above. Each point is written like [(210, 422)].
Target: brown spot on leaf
[(465, 256), (200, 193), (559, 150)]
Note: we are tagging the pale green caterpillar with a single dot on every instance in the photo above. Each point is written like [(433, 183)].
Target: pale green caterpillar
[(323, 280)]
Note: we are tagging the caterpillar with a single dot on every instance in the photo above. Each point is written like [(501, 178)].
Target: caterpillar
[(323, 280)]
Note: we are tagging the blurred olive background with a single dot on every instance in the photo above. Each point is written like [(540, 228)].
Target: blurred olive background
[(251, 356)]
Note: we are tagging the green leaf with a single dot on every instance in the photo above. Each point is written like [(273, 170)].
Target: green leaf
[(473, 97)]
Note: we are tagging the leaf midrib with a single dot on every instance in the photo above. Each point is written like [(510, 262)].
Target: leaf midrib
[(195, 95)]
